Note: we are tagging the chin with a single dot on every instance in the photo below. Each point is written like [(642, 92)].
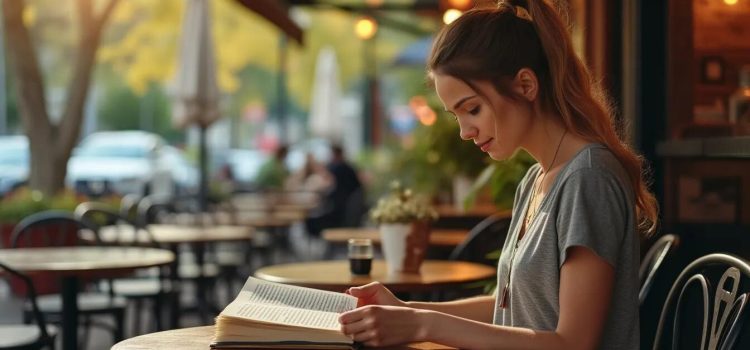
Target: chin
[(499, 155)]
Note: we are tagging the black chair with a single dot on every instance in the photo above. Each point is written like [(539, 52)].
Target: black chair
[(24, 336), (153, 286), (486, 237), (659, 269), (191, 263), (58, 228), (479, 246), (707, 306), (653, 262)]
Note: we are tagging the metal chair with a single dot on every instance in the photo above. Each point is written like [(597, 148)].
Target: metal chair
[(58, 228), (659, 269), (153, 287), (653, 262), (24, 336), (707, 306), (486, 237)]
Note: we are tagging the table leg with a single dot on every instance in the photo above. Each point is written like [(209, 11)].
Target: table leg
[(174, 276), (203, 309), (69, 313)]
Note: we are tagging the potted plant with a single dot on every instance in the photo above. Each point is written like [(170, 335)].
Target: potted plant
[(404, 224)]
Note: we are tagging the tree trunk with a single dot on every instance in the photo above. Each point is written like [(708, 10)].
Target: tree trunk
[(51, 145)]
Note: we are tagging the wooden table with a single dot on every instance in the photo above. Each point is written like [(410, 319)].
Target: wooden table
[(334, 275), (199, 338), (438, 237), (72, 263)]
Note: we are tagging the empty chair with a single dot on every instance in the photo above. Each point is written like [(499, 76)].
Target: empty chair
[(707, 306), (486, 237), (657, 272), (57, 228), (154, 288), (23, 336)]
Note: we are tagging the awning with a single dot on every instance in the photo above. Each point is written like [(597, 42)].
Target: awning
[(275, 12)]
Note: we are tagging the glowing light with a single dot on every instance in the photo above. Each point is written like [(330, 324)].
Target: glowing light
[(730, 2), (451, 15), (366, 28), (459, 4)]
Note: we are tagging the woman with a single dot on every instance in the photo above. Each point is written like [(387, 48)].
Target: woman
[(568, 273)]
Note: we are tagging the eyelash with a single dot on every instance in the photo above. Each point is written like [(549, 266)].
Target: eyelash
[(474, 111)]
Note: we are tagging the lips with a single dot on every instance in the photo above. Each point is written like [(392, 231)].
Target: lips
[(484, 146)]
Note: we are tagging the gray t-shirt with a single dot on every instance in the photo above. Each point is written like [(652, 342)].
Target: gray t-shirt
[(590, 204)]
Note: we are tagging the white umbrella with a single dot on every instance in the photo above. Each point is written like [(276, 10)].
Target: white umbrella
[(325, 117), (195, 94)]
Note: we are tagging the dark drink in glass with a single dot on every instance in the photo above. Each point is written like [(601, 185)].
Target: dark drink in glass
[(360, 256)]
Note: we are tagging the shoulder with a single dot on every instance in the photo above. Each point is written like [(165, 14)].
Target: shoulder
[(595, 163)]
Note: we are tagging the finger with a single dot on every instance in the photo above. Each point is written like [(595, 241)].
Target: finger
[(351, 316), (367, 337), (356, 327), (367, 290)]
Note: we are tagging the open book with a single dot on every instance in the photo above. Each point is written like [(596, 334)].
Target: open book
[(272, 315)]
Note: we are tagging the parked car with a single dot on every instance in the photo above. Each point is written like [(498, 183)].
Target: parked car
[(121, 162), (244, 165), (14, 162), (185, 175)]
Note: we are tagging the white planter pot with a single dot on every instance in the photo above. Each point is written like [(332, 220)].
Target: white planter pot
[(393, 244), (461, 190)]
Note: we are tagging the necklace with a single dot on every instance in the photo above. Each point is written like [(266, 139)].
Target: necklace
[(533, 204)]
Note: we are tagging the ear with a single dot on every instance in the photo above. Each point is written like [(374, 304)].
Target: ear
[(526, 84)]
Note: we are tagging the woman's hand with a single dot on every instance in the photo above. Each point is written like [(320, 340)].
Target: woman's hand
[(374, 294), (379, 325)]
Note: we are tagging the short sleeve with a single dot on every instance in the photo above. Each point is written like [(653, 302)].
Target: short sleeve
[(592, 213)]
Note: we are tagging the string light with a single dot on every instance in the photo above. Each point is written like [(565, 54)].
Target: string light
[(451, 15)]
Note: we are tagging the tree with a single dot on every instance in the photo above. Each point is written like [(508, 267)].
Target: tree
[(51, 143)]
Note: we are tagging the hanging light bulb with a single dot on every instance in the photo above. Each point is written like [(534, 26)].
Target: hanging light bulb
[(730, 2), (366, 27), (451, 15)]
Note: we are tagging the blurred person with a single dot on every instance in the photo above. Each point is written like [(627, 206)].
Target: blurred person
[(313, 177), (344, 197), (568, 272), (273, 174)]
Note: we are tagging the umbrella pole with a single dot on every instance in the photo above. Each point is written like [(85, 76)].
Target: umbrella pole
[(202, 155)]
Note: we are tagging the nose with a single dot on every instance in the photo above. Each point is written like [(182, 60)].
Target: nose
[(467, 131)]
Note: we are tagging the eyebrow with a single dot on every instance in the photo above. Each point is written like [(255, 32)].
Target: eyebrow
[(460, 102)]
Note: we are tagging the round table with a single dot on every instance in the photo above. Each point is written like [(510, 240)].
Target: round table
[(72, 263), (199, 338), (334, 275), (438, 237)]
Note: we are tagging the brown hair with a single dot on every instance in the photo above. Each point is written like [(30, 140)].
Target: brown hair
[(493, 44)]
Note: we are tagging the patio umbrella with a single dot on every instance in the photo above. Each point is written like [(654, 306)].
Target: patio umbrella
[(195, 93), (325, 118)]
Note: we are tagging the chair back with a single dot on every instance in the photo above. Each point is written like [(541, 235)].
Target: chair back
[(48, 228), (653, 262), (120, 230), (129, 205), (707, 306), (486, 237), (44, 337), (152, 209)]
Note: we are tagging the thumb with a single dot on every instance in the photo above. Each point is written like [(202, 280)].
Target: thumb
[(366, 291)]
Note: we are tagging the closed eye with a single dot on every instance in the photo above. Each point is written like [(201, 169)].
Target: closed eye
[(474, 111)]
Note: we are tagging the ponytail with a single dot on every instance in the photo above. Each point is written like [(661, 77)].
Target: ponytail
[(531, 33)]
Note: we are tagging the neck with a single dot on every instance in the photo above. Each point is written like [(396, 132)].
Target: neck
[(546, 139)]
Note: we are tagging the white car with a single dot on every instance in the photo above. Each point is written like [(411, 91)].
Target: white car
[(121, 162), (14, 162)]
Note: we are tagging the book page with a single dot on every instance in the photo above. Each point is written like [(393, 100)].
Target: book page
[(257, 291), (283, 315)]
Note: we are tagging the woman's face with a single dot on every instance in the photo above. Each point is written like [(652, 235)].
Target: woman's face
[(495, 123)]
